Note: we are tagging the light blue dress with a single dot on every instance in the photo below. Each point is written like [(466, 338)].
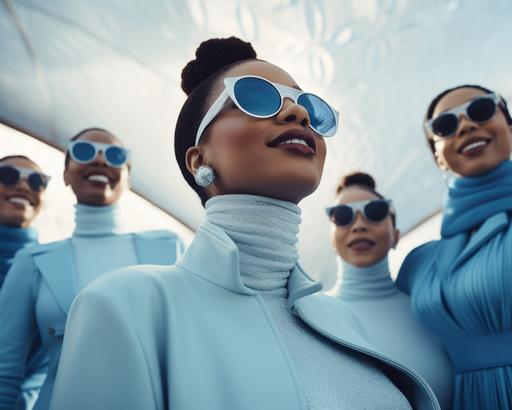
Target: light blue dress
[(44, 280), (388, 322), (461, 288)]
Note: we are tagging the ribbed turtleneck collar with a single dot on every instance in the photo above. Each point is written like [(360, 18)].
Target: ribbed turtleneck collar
[(11, 241), (97, 220), (370, 282), (265, 231)]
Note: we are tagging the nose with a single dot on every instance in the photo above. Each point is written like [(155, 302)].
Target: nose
[(99, 160), (23, 185), (359, 224), (292, 112), (465, 126)]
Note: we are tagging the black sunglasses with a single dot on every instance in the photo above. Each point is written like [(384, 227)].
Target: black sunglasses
[(11, 175), (479, 110), (374, 211)]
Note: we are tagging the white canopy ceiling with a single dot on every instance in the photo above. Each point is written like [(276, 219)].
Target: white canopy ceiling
[(67, 65)]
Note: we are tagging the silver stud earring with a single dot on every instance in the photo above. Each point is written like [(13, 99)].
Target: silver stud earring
[(204, 176)]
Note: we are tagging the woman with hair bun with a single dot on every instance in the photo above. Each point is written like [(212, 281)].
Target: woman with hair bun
[(236, 323), (460, 285), (44, 279), (363, 232)]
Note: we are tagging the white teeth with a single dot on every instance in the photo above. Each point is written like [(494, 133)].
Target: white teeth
[(474, 145), (99, 178), (294, 141), (19, 200)]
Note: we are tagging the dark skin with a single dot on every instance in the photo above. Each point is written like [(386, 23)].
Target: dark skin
[(495, 133), (85, 179), (19, 204), (363, 243), (237, 147)]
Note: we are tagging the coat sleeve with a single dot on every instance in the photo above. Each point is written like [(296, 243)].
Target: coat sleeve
[(18, 327), (102, 364)]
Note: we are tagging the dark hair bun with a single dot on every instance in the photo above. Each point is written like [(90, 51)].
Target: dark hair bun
[(356, 178), (211, 56)]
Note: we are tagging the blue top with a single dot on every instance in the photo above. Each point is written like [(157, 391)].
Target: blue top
[(43, 282), (388, 323), (11, 241), (461, 288)]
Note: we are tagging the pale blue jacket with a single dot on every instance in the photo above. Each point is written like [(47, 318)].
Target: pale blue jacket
[(35, 300), (192, 336)]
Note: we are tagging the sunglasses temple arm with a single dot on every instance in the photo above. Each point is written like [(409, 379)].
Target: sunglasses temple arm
[(212, 113)]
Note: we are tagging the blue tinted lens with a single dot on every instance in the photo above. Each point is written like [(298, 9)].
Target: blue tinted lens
[(376, 211), (321, 116), (37, 181), (116, 156), (257, 96), (342, 215), (83, 152), (9, 175)]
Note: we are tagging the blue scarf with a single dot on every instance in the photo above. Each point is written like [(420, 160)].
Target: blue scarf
[(472, 200), (11, 241)]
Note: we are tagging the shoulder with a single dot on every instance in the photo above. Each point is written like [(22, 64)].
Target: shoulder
[(45, 247), (159, 235), (414, 262)]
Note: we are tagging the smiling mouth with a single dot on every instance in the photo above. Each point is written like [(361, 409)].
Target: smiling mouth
[(98, 178), (474, 147), (20, 201), (361, 245), (295, 140)]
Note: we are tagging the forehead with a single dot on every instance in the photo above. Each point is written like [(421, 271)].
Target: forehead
[(100, 136), (21, 162), (354, 194), (457, 97), (262, 69)]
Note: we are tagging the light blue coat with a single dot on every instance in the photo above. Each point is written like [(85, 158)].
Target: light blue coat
[(35, 300), (192, 336)]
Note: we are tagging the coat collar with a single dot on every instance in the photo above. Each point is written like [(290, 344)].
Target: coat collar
[(488, 230), (57, 266), (213, 256)]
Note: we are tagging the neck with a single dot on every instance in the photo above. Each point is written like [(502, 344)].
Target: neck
[(363, 283), (97, 220), (265, 231)]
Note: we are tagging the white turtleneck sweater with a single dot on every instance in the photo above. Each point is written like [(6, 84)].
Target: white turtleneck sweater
[(97, 244), (332, 377), (387, 318)]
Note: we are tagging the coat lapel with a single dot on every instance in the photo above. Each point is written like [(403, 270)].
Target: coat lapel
[(488, 230), (57, 267)]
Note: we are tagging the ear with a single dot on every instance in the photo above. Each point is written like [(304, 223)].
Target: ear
[(194, 159), (440, 161), (396, 239), (65, 176)]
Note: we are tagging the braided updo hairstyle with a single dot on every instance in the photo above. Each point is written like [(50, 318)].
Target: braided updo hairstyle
[(363, 181), (199, 78)]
